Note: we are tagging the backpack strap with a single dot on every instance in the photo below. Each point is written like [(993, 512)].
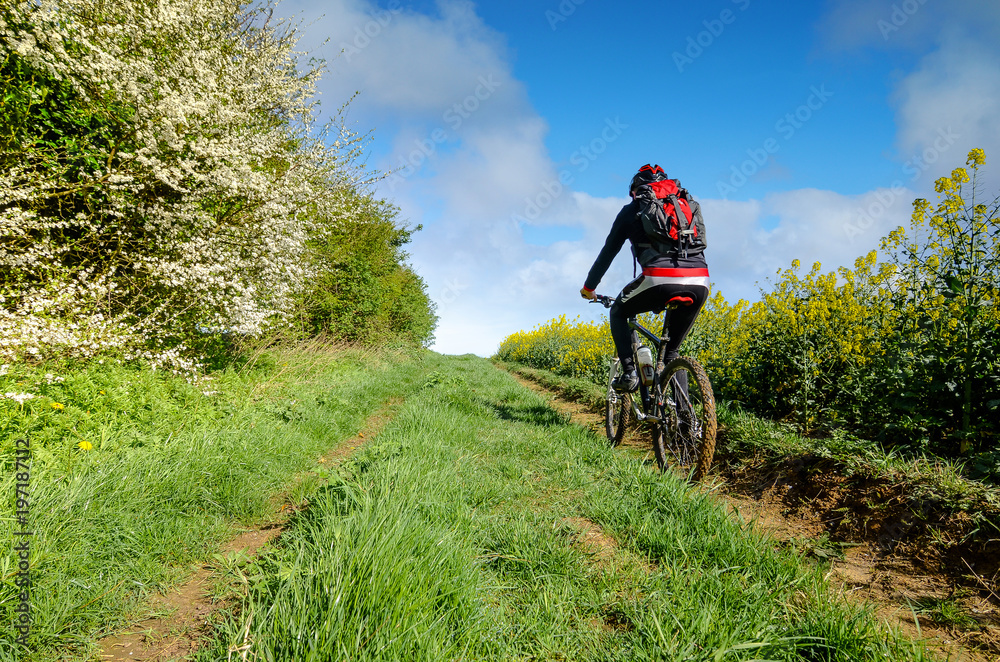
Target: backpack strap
[(683, 224)]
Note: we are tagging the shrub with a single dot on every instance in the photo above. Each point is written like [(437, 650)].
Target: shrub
[(363, 290), (944, 377)]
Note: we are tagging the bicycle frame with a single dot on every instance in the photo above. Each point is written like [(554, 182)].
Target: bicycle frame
[(657, 341), (660, 342)]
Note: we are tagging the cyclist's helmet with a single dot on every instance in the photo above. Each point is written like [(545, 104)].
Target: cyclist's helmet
[(646, 175)]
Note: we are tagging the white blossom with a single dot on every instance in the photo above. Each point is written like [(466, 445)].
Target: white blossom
[(197, 213), (19, 398)]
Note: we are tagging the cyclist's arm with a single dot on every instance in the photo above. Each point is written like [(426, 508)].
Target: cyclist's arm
[(613, 244)]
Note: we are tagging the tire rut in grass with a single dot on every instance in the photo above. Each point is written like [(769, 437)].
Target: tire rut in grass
[(604, 551), (636, 440), (187, 609)]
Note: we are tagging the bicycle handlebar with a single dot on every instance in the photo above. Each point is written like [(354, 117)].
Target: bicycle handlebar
[(605, 301)]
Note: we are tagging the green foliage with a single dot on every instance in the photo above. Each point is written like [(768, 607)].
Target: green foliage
[(945, 611), (800, 351), (364, 291), (567, 347), (947, 294), (40, 108), (47, 126), (904, 351), (165, 190)]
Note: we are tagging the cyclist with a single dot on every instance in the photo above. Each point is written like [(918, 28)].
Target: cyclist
[(665, 274)]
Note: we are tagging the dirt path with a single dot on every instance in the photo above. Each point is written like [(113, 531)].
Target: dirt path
[(895, 583), (187, 610)]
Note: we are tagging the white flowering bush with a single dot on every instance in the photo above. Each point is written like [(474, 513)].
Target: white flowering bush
[(160, 175)]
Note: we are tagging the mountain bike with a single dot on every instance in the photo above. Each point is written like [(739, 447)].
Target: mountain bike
[(676, 399)]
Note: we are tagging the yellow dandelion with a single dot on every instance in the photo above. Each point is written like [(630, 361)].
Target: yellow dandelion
[(58, 405), (85, 445)]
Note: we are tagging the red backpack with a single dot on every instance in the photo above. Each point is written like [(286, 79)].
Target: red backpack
[(669, 232)]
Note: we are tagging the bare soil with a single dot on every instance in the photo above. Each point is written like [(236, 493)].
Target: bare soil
[(592, 540), (186, 611), (911, 562), (879, 550)]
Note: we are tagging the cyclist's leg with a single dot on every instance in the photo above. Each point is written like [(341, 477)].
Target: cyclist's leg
[(618, 316), (639, 296), (682, 318), (681, 321)]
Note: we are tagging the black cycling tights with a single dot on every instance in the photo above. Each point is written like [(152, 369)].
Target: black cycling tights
[(641, 296)]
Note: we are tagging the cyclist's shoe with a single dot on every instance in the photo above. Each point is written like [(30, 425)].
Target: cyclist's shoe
[(626, 381)]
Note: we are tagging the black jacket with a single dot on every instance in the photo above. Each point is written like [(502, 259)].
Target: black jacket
[(627, 225)]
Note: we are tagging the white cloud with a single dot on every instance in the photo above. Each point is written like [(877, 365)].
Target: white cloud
[(811, 226), (949, 105), (400, 60), (906, 24), (951, 102), (488, 282)]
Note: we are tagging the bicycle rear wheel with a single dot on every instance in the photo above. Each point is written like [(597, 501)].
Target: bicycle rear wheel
[(686, 406), (617, 410)]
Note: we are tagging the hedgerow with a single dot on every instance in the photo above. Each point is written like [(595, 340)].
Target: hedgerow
[(163, 177)]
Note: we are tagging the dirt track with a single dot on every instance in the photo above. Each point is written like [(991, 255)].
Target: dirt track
[(188, 608)]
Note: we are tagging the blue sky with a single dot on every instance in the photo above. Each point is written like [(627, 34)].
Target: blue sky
[(511, 130)]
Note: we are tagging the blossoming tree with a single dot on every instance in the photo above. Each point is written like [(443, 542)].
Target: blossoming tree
[(161, 171)]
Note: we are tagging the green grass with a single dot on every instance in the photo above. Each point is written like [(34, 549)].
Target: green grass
[(172, 473), (579, 390), (455, 534), (947, 612)]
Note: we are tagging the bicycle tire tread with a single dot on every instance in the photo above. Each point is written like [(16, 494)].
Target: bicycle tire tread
[(706, 449)]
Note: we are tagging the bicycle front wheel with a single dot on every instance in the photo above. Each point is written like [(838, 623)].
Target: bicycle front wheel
[(617, 409), (686, 407)]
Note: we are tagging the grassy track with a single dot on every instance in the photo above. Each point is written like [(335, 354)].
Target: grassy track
[(466, 528), (172, 473)]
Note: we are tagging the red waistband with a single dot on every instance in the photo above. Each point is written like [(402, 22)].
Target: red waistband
[(677, 273)]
